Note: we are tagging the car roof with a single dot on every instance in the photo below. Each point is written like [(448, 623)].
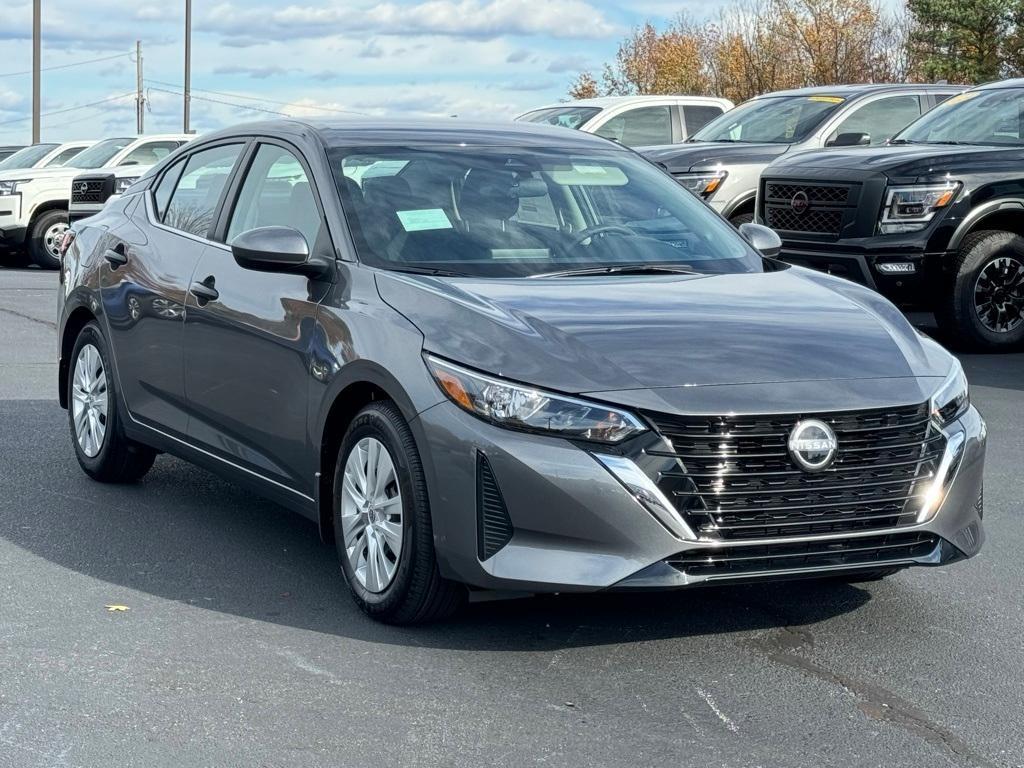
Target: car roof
[(615, 101), (860, 89), (1015, 82), (392, 131)]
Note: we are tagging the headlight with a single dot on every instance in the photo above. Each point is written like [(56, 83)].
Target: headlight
[(11, 187), (120, 185), (908, 209), (703, 184), (952, 399), (517, 406)]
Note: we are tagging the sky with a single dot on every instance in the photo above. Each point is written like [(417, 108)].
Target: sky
[(470, 58)]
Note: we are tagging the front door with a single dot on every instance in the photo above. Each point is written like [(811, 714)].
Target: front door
[(249, 335)]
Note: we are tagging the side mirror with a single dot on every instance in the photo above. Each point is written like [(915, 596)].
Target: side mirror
[(764, 240), (855, 139), (277, 249)]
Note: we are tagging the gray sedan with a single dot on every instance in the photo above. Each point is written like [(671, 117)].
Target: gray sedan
[(507, 357)]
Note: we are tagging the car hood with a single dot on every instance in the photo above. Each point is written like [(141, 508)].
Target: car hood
[(903, 161), (586, 334), (699, 155)]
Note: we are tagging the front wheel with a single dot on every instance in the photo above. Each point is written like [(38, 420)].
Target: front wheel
[(45, 238), (382, 523), (741, 218), (985, 308)]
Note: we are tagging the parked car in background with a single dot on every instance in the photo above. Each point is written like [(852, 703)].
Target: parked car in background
[(47, 155), (723, 161), (934, 221), (512, 357), (7, 151), (90, 191), (34, 202), (634, 120)]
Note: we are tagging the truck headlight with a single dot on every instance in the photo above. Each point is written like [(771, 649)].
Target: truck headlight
[(11, 187), (120, 185), (703, 184), (908, 209), (952, 399), (518, 406)]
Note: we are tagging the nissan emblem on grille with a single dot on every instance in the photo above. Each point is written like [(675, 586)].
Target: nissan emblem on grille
[(800, 203), (813, 445), (83, 187)]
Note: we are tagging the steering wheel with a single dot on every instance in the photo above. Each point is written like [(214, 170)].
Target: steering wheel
[(590, 232)]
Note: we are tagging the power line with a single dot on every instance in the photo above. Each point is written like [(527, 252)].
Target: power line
[(67, 66), (219, 101), (260, 99), (70, 109)]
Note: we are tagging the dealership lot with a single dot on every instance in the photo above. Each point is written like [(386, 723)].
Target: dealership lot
[(241, 647)]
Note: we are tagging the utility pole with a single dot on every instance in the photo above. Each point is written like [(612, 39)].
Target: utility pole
[(140, 100), (36, 56), (188, 58)]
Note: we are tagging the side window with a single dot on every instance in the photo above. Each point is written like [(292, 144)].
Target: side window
[(696, 116), (193, 203), (639, 127), (63, 157), (162, 193), (880, 119), (276, 192), (150, 153), (940, 97)]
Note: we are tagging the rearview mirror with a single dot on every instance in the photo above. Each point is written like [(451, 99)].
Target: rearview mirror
[(764, 240), (277, 249), (853, 139)]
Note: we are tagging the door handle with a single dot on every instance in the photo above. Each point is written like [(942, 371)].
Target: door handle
[(204, 291), (116, 256)]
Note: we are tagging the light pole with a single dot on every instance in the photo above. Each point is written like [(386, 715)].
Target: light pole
[(188, 58), (36, 46)]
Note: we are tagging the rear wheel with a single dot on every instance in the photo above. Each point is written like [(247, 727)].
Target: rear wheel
[(102, 449), (985, 308), (382, 524), (45, 238)]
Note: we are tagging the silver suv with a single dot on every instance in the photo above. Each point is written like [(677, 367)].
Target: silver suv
[(723, 161)]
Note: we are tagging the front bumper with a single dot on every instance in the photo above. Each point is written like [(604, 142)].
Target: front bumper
[(573, 525), (12, 229), (79, 211)]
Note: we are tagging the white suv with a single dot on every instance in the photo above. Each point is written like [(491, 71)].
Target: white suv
[(634, 120), (34, 202)]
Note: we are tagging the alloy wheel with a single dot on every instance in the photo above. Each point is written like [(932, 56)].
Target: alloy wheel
[(999, 294), (371, 514), (89, 400)]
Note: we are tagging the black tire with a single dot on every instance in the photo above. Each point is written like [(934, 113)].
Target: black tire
[(119, 459), (958, 315), (417, 592), (861, 577), (741, 218), (40, 245)]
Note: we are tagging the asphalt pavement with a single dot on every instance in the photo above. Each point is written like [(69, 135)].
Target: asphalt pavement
[(240, 646)]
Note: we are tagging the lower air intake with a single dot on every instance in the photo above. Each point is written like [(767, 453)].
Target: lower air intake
[(494, 528)]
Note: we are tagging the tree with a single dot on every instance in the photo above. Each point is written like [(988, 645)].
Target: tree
[(961, 40), (584, 87)]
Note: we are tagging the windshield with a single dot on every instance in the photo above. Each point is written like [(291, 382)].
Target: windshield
[(26, 157), (772, 120), (566, 117), (990, 117), (98, 155), (520, 212)]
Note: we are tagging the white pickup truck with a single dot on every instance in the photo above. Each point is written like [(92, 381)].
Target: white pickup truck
[(34, 202)]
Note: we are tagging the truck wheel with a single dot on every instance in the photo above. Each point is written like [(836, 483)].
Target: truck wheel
[(45, 238), (741, 218), (985, 308)]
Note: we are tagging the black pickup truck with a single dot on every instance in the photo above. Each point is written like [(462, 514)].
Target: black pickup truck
[(934, 220)]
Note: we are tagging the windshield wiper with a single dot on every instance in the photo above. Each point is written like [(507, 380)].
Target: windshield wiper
[(436, 271), (622, 269)]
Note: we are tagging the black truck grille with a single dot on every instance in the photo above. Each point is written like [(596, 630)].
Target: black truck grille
[(91, 190), (735, 478), (861, 551), (818, 209)]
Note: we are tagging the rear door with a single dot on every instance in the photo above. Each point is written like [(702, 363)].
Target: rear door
[(249, 335), (146, 277)]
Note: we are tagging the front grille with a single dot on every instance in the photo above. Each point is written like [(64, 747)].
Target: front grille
[(824, 213), (864, 551), (90, 191), (734, 477)]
